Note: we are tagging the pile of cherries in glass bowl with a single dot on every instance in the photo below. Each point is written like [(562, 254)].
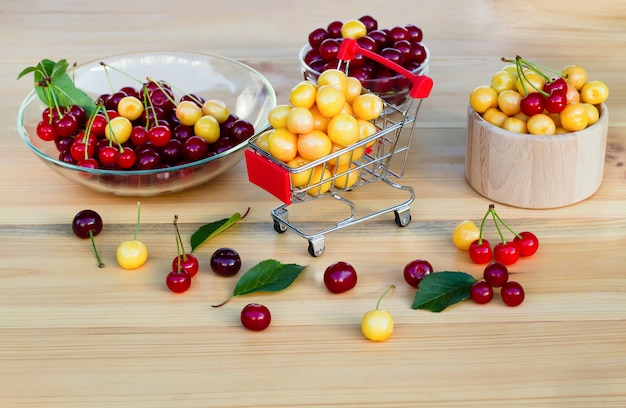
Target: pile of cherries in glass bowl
[(155, 139), (400, 44), (161, 155)]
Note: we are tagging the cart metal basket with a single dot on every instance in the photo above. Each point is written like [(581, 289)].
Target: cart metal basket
[(381, 156)]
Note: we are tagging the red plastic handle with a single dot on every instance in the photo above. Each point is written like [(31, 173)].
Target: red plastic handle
[(422, 84)]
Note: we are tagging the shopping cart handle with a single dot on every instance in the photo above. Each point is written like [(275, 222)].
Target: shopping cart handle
[(421, 84)]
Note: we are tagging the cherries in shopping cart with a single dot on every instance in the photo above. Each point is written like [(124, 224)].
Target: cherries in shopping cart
[(403, 44)]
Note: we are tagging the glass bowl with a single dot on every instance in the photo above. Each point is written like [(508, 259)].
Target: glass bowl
[(393, 89), (246, 93)]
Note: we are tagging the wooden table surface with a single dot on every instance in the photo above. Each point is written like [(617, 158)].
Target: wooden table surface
[(74, 335)]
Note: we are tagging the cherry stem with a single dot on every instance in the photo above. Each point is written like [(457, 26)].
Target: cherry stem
[(392, 286), (495, 221), (93, 244), (105, 65), (138, 217), (505, 225), (147, 102), (482, 224), (167, 95), (224, 302), (179, 244)]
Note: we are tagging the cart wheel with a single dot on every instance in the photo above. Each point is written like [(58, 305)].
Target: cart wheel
[(279, 227), (316, 248), (402, 218)]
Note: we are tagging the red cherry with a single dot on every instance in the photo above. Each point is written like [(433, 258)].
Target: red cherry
[(415, 33), (159, 135), (512, 294), (187, 262), (78, 112), (255, 317), (225, 262), (556, 102), (556, 84), (329, 49), (98, 125), (317, 36), (527, 242), (416, 270), (334, 29), (399, 33), (126, 159), (178, 281), (108, 155), (66, 125), (481, 292), (340, 277), (46, 131), (532, 104), (139, 135), (480, 252), (496, 274), (89, 163), (393, 55), (369, 22), (507, 253)]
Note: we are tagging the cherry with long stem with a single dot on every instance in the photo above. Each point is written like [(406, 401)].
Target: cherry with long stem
[(184, 260)]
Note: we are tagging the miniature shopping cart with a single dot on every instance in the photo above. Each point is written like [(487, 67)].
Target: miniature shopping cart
[(381, 156)]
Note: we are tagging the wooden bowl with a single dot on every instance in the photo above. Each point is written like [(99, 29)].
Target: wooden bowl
[(535, 172)]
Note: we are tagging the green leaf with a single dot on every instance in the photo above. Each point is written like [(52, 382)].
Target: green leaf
[(208, 231), (439, 290), (59, 69), (266, 276), (55, 87), (26, 71)]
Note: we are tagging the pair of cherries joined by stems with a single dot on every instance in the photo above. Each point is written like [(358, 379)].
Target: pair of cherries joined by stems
[(224, 262), (523, 244)]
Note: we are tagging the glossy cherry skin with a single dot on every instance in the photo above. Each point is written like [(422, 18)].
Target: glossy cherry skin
[(187, 262), (507, 253), (255, 317), (481, 292), (480, 252), (556, 102), (532, 104), (66, 125), (159, 135), (340, 277), (555, 85), (370, 22), (108, 155), (225, 262), (416, 270), (317, 36), (512, 294), (127, 158), (178, 281), (46, 131), (527, 242), (496, 274), (84, 222)]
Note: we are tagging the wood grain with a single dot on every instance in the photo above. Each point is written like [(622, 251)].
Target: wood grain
[(73, 335)]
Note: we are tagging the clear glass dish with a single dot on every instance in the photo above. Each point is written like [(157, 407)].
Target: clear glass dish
[(246, 92)]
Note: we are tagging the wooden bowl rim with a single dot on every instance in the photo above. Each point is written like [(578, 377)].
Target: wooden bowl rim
[(479, 120)]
